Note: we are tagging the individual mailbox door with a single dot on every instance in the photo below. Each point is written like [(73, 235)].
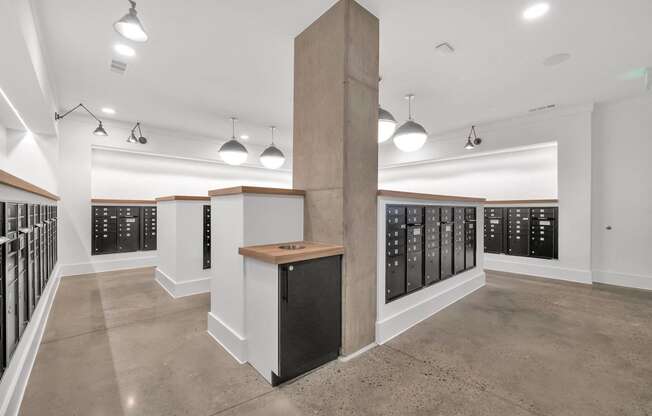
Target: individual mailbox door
[(414, 272), (431, 267), (394, 277), (543, 238), (148, 229), (11, 319), (432, 216), (470, 214), (414, 214), (395, 216), (105, 230), (446, 214), (493, 235), (458, 247), (128, 234), (470, 245), (446, 262), (22, 303), (414, 242)]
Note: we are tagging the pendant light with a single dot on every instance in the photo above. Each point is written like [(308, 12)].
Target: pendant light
[(386, 125), (99, 130), (272, 157), (232, 152), (471, 144), (411, 136), (130, 27)]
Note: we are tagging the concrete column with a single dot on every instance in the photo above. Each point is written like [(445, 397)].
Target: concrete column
[(335, 151)]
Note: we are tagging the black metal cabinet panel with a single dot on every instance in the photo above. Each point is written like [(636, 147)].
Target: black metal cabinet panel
[(394, 277), (11, 319), (2, 293), (309, 316), (493, 235), (414, 271), (446, 262), (431, 267), (206, 245), (105, 230), (446, 214), (148, 229), (518, 231), (395, 216), (470, 213), (22, 304), (470, 245), (128, 234), (458, 245), (414, 241), (543, 238), (432, 216)]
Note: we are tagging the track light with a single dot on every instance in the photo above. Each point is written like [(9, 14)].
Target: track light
[(99, 131), (272, 157), (130, 27), (232, 152), (132, 136), (411, 136), (472, 143)]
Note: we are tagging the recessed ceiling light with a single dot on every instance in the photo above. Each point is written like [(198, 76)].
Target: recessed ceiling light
[(107, 110), (124, 50), (556, 59), (244, 136), (536, 11)]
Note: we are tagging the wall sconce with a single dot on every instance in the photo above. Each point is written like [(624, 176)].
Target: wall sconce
[(99, 131), (132, 137)]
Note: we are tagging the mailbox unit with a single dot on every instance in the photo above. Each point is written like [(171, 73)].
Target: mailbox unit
[(522, 231), (122, 229), (426, 244), (28, 254)]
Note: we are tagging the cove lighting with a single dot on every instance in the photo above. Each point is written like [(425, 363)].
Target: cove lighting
[(16, 113), (536, 11), (124, 50)]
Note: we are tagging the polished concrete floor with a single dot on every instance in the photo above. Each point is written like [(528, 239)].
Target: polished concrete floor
[(117, 344)]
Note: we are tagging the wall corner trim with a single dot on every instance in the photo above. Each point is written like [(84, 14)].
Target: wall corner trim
[(180, 289)]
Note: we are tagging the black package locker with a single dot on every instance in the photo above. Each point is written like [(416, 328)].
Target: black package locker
[(105, 230), (494, 234), (10, 284), (543, 233), (128, 229), (470, 233), (44, 254), (446, 230), (518, 231), (310, 310), (23, 267), (395, 258), (414, 257), (206, 237), (3, 247), (31, 270), (458, 240), (36, 233), (148, 227), (431, 268)]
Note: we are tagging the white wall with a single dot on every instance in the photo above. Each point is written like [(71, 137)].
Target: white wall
[(32, 157), (147, 177), (529, 173), (571, 130), (622, 192), (130, 175)]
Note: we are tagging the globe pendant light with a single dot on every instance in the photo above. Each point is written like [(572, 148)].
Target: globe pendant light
[(130, 27), (272, 157), (232, 152), (411, 136), (386, 125)]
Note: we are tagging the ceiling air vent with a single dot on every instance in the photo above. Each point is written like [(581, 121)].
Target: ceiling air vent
[(118, 67), (543, 108)]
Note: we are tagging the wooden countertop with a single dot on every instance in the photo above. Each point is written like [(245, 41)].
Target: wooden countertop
[(428, 197), (15, 182), (523, 201), (255, 190), (182, 198), (122, 201), (271, 253)]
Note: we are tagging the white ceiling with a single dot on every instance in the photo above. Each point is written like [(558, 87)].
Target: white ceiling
[(207, 60)]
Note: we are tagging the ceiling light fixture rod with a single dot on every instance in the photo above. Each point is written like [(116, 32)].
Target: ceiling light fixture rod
[(273, 129), (58, 116), (409, 97), (233, 120)]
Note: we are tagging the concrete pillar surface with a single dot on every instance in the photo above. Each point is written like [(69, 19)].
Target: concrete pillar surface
[(335, 151)]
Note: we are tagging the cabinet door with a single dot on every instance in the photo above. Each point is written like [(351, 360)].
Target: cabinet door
[(309, 315), (394, 277), (431, 268), (128, 234), (11, 320)]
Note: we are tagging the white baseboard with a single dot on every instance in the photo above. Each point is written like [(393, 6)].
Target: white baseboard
[(181, 289), (14, 380), (411, 315), (234, 343), (636, 281), (108, 265), (356, 354), (534, 267)]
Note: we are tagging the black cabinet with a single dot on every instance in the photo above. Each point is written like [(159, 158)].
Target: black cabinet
[(446, 258), (105, 230), (206, 245), (431, 270), (469, 244), (414, 272), (309, 315), (543, 234), (148, 229), (394, 277), (414, 214), (518, 231)]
